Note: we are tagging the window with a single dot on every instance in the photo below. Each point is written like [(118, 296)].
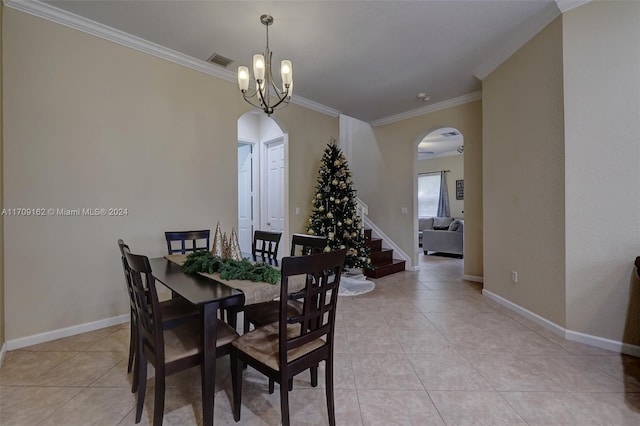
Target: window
[(428, 195)]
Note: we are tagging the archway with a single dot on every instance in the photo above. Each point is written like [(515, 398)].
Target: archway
[(262, 178), (439, 155)]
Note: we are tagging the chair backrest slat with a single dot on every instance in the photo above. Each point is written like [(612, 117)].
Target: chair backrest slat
[(199, 240), (265, 246), (308, 244), (147, 304), (124, 248)]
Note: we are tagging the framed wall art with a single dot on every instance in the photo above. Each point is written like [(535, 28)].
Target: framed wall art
[(460, 189)]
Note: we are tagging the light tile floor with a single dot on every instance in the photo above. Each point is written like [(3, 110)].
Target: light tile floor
[(424, 348)]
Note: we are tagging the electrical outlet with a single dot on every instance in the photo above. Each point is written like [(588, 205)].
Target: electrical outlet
[(514, 276), (404, 210), (297, 211)]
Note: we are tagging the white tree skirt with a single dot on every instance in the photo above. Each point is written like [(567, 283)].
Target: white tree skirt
[(354, 284)]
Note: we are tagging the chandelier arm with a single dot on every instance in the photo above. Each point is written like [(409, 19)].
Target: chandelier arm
[(244, 93), (264, 101), (279, 102), (249, 101)]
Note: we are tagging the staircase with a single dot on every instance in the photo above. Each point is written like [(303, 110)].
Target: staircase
[(381, 258)]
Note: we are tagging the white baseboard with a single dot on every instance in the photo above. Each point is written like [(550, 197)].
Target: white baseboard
[(473, 278), (602, 343), (3, 351), (525, 313), (48, 336), (574, 336)]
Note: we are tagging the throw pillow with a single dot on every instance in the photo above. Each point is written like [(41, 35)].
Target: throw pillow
[(425, 223), (455, 225), (442, 222)]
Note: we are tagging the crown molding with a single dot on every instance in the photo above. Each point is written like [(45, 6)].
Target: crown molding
[(71, 20), (567, 5), (516, 41), (428, 109), (308, 103)]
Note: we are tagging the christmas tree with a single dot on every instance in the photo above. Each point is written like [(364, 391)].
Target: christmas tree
[(334, 209)]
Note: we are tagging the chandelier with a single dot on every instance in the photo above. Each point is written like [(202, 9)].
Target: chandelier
[(261, 97)]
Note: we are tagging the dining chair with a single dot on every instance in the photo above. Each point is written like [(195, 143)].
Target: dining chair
[(260, 314), (266, 313), (296, 342), (303, 244), (168, 350), (265, 246), (174, 312), (199, 241)]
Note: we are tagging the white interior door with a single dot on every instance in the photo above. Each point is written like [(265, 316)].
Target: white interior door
[(273, 190), (245, 196)]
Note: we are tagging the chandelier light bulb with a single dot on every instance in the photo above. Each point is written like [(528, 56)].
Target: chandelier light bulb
[(258, 67), (286, 72), (243, 78)]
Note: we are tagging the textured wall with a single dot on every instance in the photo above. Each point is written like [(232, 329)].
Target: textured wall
[(2, 332), (602, 133), (523, 177), (102, 125)]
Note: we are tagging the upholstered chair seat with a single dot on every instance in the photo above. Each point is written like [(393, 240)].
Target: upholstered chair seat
[(267, 312), (262, 345), (184, 340)]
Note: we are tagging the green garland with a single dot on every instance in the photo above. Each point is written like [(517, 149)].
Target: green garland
[(204, 261)]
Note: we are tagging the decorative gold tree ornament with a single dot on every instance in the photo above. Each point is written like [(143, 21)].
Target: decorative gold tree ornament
[(216, 248), (226, 249), (235, 245)]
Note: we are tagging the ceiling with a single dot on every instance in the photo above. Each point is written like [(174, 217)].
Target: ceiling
[(441, 142), (366, 59)]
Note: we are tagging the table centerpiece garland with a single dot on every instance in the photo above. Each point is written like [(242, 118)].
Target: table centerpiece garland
[(230, 269)]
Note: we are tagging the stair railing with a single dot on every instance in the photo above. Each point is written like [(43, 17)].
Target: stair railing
[(362, 210)]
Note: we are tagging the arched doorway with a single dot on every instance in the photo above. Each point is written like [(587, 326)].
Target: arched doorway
[(439, 179), (262, 176)]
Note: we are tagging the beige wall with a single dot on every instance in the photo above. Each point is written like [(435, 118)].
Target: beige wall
[(309, 133), (90, 123), (2, 333), (602, 145), (523, 177), (455, 165), (385, 175)]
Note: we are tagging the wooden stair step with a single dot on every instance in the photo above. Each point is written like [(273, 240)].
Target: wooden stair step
[(382, 270), (383, 256), (375, 244)]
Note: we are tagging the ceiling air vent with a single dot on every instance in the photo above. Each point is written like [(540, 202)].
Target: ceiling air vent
[(448, 134), (219, 60)]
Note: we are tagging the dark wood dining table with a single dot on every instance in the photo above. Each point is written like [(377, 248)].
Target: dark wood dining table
[(210, 295)]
